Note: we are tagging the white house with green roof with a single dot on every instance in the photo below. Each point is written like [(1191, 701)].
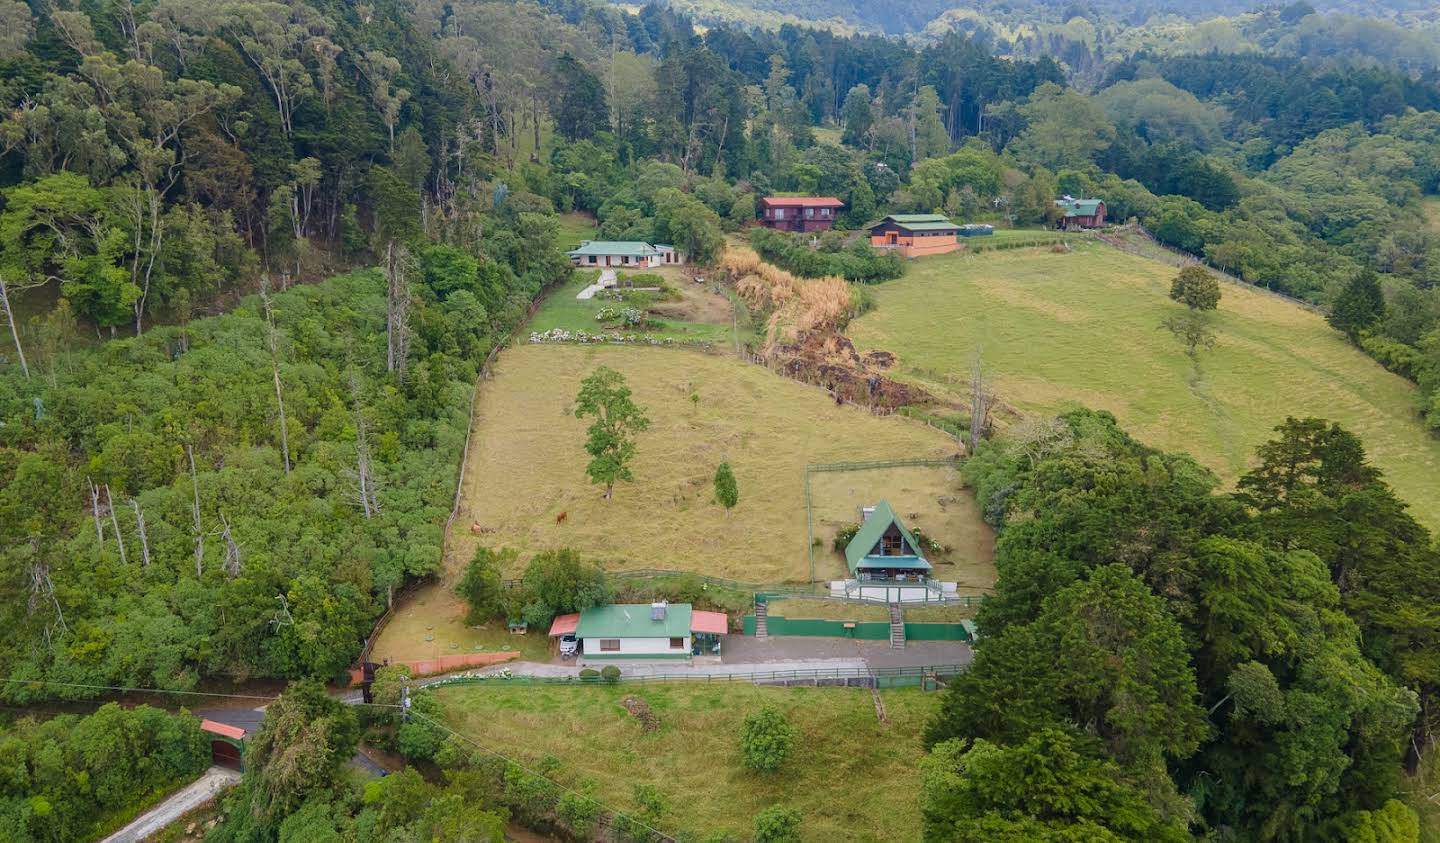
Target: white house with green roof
[(631, 253), (646, 630)]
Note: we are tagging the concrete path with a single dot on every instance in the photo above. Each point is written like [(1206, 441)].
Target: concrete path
[(178, 804), (606, 279)]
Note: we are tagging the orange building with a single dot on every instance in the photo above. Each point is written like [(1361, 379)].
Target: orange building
[(915, 235)]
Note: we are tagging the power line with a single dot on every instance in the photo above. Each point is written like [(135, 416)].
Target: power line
[(134, 690), (601, 805)]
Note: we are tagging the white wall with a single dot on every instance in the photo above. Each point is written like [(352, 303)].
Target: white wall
[(634, 646)]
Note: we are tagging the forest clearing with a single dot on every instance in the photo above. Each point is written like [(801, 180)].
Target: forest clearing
[(1083, 328), (693, 759)]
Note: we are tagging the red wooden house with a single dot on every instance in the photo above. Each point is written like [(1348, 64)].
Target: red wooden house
[(799, 213), (1080, 213)]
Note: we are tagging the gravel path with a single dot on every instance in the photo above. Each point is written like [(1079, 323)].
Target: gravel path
[(177, 805)]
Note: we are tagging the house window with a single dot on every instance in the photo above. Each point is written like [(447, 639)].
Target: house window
[(810, 213), (677, 643), (592, 258), (778, 213), (824, 212), (893, 545), (609, 645)]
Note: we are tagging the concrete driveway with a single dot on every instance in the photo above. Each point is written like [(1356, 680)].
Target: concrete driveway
[(215, 781), (746, 649)]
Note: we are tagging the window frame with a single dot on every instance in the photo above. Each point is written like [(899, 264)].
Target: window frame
[(677, 643), (609, 645)]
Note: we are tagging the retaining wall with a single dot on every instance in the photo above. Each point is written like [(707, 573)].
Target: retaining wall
[(861, 631)]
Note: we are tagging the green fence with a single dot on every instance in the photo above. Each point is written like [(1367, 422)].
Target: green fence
[(858, 630), (882, 677)]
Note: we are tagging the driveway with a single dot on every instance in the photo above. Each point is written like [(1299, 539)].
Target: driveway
[(215, 781), (746, 649)]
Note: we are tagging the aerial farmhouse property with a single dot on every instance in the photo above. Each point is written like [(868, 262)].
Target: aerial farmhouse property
[(643, 631), (886, 563), (914, 235), (1080, 213), (799, 213), (631, 253)]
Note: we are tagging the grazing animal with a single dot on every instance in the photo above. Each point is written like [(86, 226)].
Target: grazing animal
[(478, 529), (560, 519)]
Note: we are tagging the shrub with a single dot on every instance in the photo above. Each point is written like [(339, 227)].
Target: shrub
[(589, 674), (1196, 288), (766, 739), (482, 587), (610, 673), (844, 535), (777, 824), (727, 493)]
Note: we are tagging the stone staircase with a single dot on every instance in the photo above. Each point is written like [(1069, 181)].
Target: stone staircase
[(897, 627), (762, 630)]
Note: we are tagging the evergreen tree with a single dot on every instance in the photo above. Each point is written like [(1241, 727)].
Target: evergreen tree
[(726, 491), (578, 103), (859, 117), (1359, 306)]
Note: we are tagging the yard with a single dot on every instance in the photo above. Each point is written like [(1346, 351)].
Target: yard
[(693, 758), (527, 463), (1083, 328), (924, 497), (694, 313)]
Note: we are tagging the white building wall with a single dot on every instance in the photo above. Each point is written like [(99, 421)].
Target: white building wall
[(635, 647)]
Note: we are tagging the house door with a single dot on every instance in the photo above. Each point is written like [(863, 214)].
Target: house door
[(893, 237)]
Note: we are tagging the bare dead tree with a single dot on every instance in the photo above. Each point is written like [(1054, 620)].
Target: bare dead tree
[(275, 368), (95, 510), (231, 563), (140, 529), (365, 481), (42, 590), (115, 525), (982, 400), (195, 513), (14, 332), (397, 308)]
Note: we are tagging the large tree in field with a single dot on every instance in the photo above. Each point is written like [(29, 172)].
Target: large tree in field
[(610, 441), (1359, 306)]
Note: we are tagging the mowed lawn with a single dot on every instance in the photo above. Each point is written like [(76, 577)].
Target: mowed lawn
[(526, 465), (1083, 328), (851, 777)]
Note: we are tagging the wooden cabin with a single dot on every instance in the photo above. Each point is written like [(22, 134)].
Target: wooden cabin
[(799, 213), (1080, 213), (884, 551), (914, 235)]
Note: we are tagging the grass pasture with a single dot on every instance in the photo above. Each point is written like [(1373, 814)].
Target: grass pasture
[(527, 462), (1083, 328), (576, 226), (693, 758)]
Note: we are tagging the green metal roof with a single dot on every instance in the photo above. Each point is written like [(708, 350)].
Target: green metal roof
[(928, 226), (1079, 207), (632, 248), (632, 620), (858, 550), (918, 218)]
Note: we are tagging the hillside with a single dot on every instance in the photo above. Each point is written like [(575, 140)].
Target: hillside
[(1058, 330)]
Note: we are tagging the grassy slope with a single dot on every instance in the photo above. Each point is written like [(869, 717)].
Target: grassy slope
[(852, 777), (527, 464), (1082, 327)]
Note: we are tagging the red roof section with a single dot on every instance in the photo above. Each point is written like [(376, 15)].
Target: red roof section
[(564, 625), (803, 201), (714, 623), (222, 729)]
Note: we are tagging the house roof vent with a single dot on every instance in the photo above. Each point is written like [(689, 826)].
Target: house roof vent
[(657, 610), (866, 512)]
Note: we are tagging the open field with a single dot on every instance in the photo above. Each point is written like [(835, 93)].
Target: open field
[(431, 623), (925, 498), (527, 462), (701, 314), (574, 227), (1082, 328), (693, 758), (1431, 205), (829, 610)]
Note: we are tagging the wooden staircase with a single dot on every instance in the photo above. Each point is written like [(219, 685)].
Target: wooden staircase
[(762, 630), (897, 627)]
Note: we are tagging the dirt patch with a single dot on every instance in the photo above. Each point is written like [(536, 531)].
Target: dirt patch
[(640, 710), (829, 359), (698, 303)]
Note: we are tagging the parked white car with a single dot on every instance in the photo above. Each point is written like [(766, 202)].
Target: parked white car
[(568, 645)]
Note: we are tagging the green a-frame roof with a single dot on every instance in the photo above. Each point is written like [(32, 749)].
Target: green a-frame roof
[(859, 549)]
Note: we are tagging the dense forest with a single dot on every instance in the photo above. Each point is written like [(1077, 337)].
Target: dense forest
[(253, 255)]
